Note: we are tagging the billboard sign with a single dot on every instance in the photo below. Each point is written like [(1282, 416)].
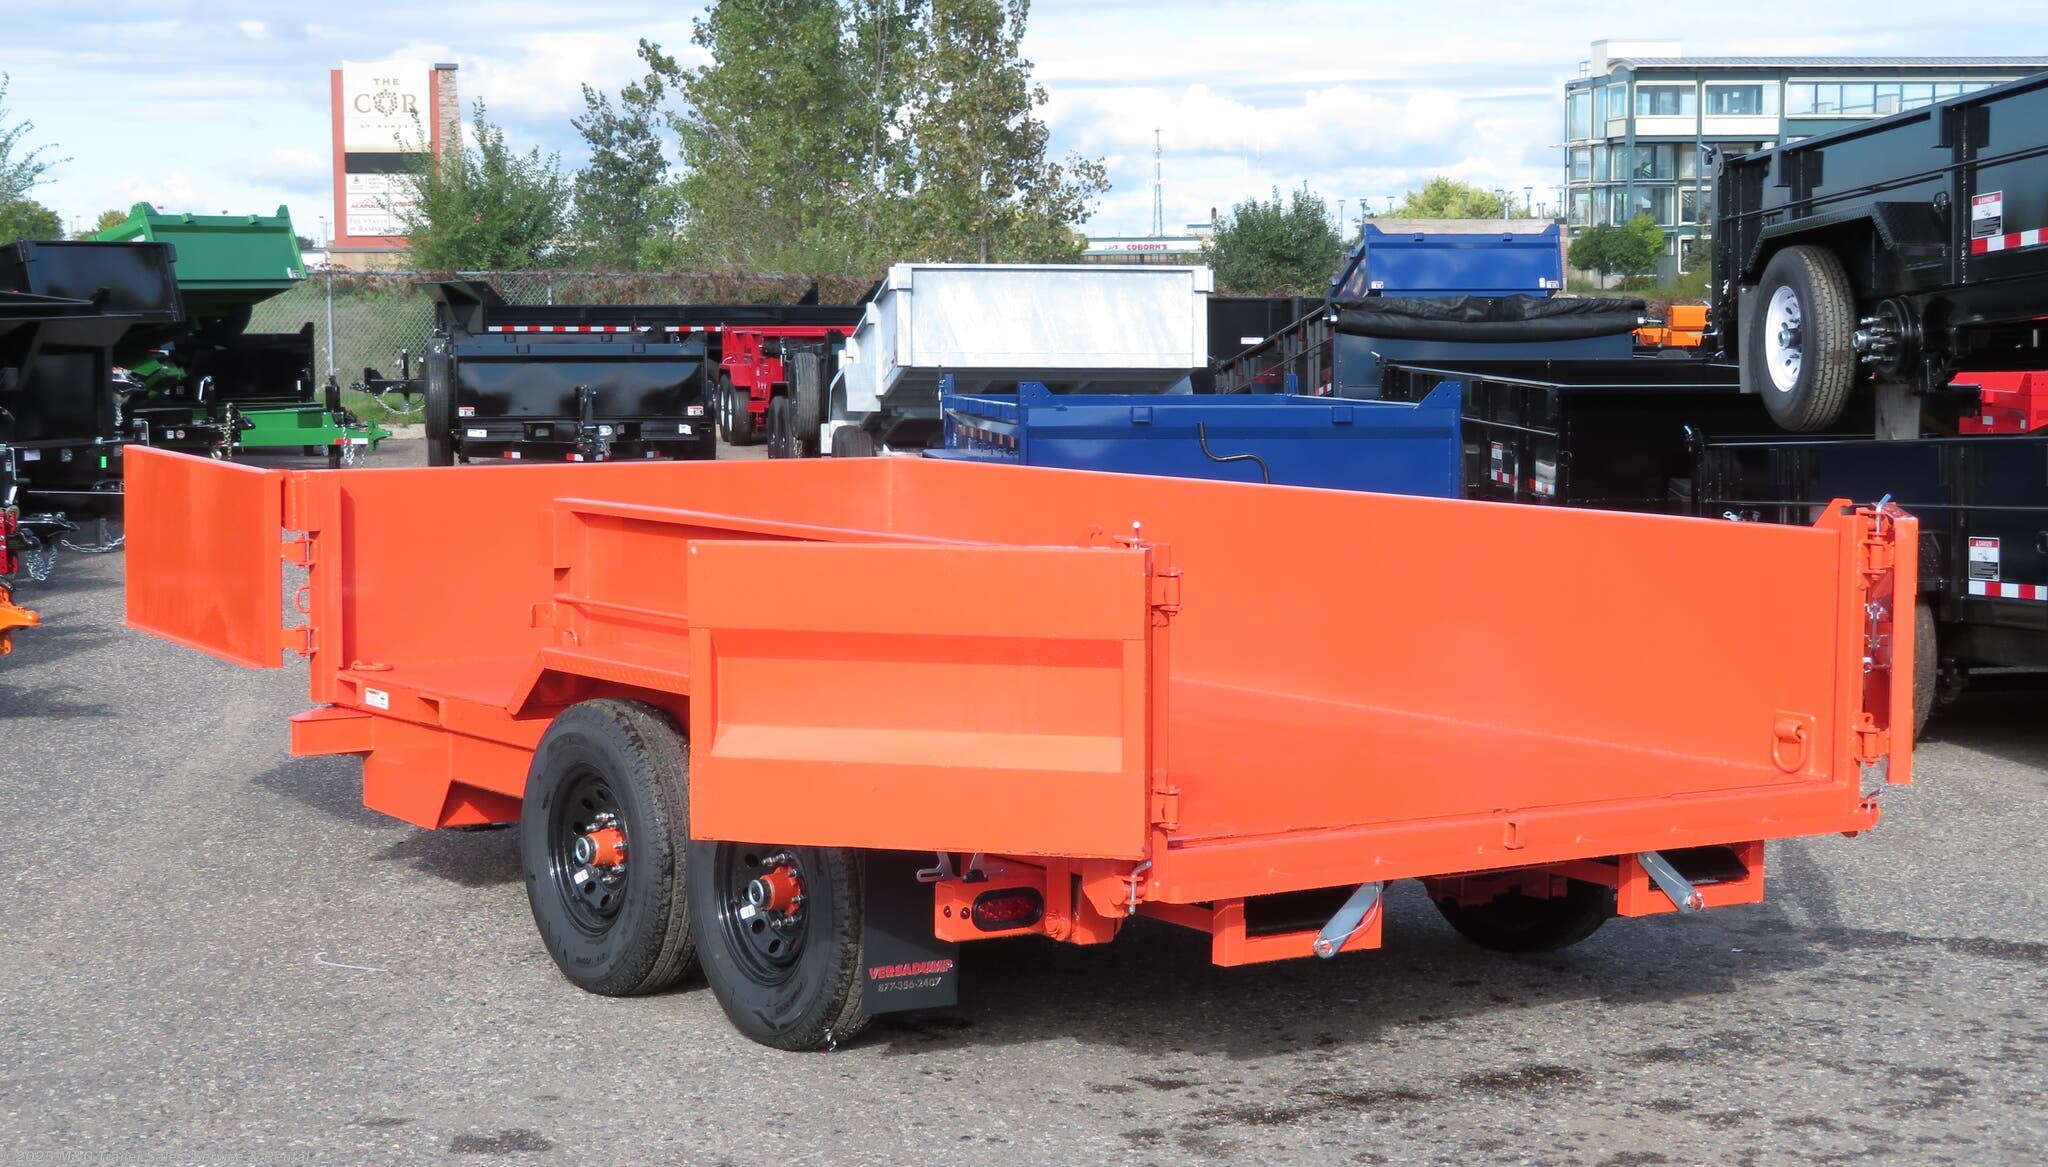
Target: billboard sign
[(383, 120)]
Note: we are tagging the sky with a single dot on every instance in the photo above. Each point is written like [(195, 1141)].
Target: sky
[(222, 105)]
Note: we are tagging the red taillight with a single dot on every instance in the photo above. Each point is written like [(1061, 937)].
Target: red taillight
[(1016, 907)]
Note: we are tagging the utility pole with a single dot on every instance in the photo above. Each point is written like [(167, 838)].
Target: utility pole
[(1158, 189)]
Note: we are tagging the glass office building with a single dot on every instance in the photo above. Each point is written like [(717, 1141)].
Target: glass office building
[(1643, 122)]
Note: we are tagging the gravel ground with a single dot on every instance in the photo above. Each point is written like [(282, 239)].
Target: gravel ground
[(213, 954)]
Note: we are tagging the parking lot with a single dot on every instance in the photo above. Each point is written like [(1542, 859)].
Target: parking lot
[(214, 954)]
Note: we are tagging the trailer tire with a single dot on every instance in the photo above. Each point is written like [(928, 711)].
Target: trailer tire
[(619, 768), (779, 442), (438, 413), (1519, 924), (1926, 665), (789, 979), (1799, 343), (735, 419), (851, 441), (806, 400)]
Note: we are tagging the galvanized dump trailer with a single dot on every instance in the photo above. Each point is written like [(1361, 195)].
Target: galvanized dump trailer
[(806, 725), (1894, 253), (1074, 328)]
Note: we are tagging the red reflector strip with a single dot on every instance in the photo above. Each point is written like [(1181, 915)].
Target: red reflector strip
[(1996, 590), (568, 328), (2008, 242)]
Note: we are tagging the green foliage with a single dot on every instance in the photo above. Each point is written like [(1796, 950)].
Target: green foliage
[(1276, 248), (782, 132), (20, 170), (1447, 198), (108, 220), (974, 180), (626, 209), (27, 219), (1630, 250), (485, 208), (832, 135)]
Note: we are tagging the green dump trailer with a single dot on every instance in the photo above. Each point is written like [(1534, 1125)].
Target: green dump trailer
[(208, 385)]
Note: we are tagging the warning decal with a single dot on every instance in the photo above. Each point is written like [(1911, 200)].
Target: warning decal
[(1987, 215), (1983, 558)]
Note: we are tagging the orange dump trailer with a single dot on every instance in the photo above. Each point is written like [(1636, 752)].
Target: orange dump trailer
[(808, 725)]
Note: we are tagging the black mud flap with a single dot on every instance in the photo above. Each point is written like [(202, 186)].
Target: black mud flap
[(906, 967)]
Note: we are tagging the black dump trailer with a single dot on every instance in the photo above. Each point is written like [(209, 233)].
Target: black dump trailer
[(1607, 434), (1892, 254), (1237, 323), (1339, 349), (582, 382), (561, 382), (1982, 502), (64, 306)]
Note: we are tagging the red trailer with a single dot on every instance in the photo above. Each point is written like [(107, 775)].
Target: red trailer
[(807, 725), (753, 371)]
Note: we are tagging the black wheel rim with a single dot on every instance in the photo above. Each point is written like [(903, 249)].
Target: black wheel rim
[(592, 892), (765, 944)]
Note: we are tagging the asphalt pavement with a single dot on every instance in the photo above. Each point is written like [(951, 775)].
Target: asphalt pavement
[(211, 953)]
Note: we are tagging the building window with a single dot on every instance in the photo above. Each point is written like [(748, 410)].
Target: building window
[(1644, 163), (1828, 99), (1692, 201), (1742, 100), (1666, 101), (1616, 105), (1579, 114), (1617, 205), (1581, 208), (1582, 164), (1600, 172), (1688, 160)]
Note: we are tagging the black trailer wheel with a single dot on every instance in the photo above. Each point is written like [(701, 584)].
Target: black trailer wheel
[(806, 400), (779, 932), (1799, 347), (735, 419), (439, 416), (1926, 665), (850, 441), (606, 811), (1517, 923), (780, 437)]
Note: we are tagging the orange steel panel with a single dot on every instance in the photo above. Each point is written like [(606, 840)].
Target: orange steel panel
[(204, 555), (12, 618), (920, 698)]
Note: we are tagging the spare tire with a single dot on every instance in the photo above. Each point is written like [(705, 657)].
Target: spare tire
[(1799, 338)]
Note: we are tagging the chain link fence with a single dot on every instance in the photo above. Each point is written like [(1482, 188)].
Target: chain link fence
[(363, 319)]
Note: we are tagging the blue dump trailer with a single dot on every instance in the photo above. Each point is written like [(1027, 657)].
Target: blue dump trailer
[(1450, 258), (1434, 291), (1391, 447)]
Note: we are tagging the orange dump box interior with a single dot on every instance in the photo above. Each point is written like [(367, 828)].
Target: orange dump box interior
[(1191, 692)]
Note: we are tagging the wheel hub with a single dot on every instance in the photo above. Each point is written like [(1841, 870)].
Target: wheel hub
[(776, 891), (602, 844), (1784, 338)]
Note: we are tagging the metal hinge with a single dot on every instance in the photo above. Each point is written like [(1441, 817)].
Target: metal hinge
[(299, 640), (1166, 590), (1872, 743), (1166, 808), (299, 552), (1878, 555)]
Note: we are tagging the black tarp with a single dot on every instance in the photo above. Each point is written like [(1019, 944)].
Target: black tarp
[(1487, 318)]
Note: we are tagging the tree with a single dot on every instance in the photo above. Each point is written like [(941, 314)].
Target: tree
[(1447, 198), (1629, 250), (784, 133), (1276, 248), (976, 181), (27, 219), (19, 171), (483, 207), (625, 206), (108, 220)]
